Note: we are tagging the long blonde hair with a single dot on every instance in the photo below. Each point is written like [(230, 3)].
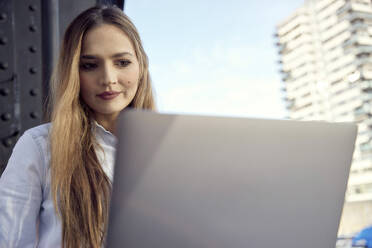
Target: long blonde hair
[(79, 186)]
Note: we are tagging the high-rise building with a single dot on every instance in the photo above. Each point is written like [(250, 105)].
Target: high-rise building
[(325, 50)]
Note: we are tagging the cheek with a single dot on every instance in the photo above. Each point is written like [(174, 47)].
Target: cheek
[(130, 77), (84, 90), (86, 93), (84, 80), (86, 84), (131, 89), (131, 84)]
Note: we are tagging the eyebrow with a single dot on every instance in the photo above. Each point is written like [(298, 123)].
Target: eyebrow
[(116, 55)]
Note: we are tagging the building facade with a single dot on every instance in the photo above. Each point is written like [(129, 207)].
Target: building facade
[(325, 50)]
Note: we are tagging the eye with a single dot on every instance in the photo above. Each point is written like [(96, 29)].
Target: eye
[(88, 66), (123, 62)]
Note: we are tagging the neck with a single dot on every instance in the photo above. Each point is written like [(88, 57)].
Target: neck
[(107, 121)]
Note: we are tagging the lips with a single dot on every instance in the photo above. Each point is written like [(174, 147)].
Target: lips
[(108, 95)]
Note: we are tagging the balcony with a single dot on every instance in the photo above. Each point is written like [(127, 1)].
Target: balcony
[(360, 179), (282, 47), (286, 76), (366, 86), (290, 103)]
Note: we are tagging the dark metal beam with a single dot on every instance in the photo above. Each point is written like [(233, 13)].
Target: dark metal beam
[(50, 37), (20, 71)]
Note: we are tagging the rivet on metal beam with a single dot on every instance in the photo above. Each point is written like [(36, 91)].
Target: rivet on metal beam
[(33, 70), (32, 28), (4, 92), (3, 65), (6, 117), (32, 49), (34, 115), (3, 17), (16, 133), (32, 7), (34, 92), (3, 40), (8, 142)]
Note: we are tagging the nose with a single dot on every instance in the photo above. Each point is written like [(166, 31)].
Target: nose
[(109, 75)]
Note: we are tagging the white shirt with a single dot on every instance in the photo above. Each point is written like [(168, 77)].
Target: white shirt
[(27, 214)]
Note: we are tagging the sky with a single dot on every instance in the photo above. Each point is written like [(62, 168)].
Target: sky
[(214, 57)]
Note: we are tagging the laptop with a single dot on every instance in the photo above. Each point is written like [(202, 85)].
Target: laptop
[(199, 181)]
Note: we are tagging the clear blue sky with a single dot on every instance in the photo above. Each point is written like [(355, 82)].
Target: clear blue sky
[(213, 57)]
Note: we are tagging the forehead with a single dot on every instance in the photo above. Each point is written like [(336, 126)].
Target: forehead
[(106, 39)]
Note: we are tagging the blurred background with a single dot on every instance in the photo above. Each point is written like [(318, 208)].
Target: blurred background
[(288, 59)]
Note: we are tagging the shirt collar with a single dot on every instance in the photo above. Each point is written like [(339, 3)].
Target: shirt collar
[(105, 135)]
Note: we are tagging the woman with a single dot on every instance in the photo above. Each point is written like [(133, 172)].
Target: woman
[(55, 190)]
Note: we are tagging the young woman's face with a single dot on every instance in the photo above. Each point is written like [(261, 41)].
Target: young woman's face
[(109, 70)]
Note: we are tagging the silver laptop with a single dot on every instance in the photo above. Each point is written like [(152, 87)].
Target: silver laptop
[(195, 181)]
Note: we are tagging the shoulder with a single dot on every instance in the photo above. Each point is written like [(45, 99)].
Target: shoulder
[(39, 133), (38, 136), (28, 163), (35, 139), (33, 145)]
